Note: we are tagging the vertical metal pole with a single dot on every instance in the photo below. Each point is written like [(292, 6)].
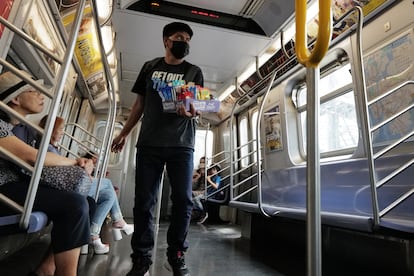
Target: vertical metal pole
[(314, 256), (58, 92), (157, 221)]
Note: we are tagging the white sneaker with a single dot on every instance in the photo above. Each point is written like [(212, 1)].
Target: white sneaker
[(99, 247)]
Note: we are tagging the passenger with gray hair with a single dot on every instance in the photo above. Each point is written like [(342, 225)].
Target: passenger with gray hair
[(67, 210)]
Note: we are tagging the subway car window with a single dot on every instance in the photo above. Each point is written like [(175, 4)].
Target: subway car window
[(244, 138), (254, 133), (338, 126), (203, 138)]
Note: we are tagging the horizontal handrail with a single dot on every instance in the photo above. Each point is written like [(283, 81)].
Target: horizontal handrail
[(244, 168), (68, 151), (16, 160), (393, 145), (252, 207), (84, 130), (79, 142), (390, 92), (389, 119), (245, 193), (30, 81), (217, 191), (11, 203), (396, 202), (394, 173), (20, 117), (29, 39), (244, 180)]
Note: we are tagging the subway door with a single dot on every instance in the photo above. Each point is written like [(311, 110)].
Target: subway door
[(121, 168)]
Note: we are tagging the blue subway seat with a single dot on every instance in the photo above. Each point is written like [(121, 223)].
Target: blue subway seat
[(345, 191), (37, 221)]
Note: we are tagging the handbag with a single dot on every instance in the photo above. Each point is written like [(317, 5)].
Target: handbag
[(67, 178)]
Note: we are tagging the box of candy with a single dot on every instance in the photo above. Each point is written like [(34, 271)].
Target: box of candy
[(201, 105), (177, 94)]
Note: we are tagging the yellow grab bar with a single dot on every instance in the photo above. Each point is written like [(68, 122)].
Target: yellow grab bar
[(324, 33)]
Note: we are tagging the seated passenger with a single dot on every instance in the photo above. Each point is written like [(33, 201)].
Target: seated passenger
[(198, 190), (107, 198), (197, 173), (213, 183), (67, 210), (199, 181)]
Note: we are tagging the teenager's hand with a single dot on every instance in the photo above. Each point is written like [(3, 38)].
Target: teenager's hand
[(118, 144), (181, 111)]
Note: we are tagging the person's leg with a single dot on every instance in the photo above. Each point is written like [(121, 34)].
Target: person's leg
[(197, 203), (149, 168), (106, 184), (204, 214), (116, 213), (106, 198), (67, 262), (118, 222), (69, 213), (180, 170), (47, 267)]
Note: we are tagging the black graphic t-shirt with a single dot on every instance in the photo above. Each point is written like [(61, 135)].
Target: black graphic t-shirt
[(161, 129)]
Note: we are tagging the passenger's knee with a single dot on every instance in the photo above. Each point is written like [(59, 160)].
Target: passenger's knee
[(78, 204)]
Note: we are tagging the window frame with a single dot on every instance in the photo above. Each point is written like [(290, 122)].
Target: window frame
[(348, 88)]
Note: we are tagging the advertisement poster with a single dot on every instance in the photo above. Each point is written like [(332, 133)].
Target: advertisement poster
[(339, 8), (87, 52), (5, 7), (273, 131), (38, 26), (388, 67)]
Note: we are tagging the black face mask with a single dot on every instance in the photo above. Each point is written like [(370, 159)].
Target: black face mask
[(180, 49)]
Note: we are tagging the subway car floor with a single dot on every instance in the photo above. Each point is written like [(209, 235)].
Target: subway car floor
[(215, 249)]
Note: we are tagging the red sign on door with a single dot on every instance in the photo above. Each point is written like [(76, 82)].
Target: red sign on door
[(5, 7)]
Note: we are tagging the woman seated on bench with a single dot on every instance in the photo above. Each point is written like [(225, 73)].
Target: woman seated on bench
[(107, 198), (67, 210)]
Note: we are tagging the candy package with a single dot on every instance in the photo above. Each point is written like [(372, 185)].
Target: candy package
[(178, 93)]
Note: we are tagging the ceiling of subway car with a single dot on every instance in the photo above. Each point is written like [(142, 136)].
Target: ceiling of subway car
[(221, 51)]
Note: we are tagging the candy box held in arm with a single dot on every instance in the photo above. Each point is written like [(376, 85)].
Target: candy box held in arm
[(199, 105), (203, 105)]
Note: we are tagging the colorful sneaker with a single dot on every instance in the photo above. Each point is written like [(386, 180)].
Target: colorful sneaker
[(140, 267), (176, 264)]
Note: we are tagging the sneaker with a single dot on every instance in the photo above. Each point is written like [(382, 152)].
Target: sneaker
[(203, 218), (176, 264), (99, 247), (140, 267)]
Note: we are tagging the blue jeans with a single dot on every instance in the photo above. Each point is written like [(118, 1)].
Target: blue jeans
[(150, 163), (197, 203), (107, 203)]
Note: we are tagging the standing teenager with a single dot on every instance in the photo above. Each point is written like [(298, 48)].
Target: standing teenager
[(165, 139)]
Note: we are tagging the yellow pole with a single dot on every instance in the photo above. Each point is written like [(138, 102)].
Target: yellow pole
[(305, 57)]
